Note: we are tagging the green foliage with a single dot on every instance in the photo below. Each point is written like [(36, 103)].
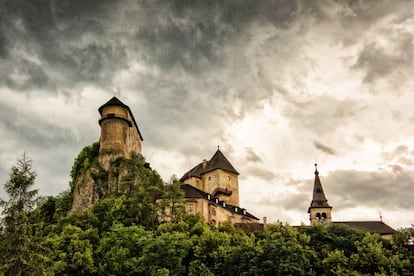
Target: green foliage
[(83, 161), (120, 249), (72, 251), (21, 250), (285, 252), (21, 198), (128, 232), (171, 204)]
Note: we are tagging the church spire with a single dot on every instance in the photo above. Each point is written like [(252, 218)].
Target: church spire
[(319, 209), (319, 198)]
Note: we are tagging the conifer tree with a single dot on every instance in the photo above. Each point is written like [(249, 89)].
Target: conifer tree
[(20, 249)]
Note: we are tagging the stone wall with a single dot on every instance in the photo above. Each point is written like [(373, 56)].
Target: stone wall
[(119, 134), (225, 180)]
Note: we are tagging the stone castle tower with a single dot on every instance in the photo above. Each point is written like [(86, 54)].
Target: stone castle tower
[(216, 177), (120, 135), (319, 209)]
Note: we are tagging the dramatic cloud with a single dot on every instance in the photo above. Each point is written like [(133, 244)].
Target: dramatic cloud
[(324, 148), (277, 84), (251, 156)]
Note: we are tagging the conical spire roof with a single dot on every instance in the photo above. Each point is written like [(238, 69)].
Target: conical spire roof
[(219, 161), (319, 198), (113, 101)]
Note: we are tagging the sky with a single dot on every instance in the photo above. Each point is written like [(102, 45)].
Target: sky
[(277, 84)]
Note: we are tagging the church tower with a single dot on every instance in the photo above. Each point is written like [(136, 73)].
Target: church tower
[(319, 209), (120, 134)]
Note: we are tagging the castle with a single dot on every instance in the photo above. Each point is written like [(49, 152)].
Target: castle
[(211, 188)]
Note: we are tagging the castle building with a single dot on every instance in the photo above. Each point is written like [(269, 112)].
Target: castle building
[(120, 134), (320, 212), (212, 189)]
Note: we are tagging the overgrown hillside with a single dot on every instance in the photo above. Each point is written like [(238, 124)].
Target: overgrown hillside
[(122, 234)]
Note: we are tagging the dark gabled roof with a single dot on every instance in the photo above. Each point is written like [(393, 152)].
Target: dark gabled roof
[(218, 161), (318, 198), (192, 192), (194, 172), (114, 101), (369, 226)]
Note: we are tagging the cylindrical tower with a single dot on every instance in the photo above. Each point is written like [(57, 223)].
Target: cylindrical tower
[(115, 124)]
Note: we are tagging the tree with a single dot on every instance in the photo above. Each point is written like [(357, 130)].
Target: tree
[(72, 251), (172, 203), (21, 251)]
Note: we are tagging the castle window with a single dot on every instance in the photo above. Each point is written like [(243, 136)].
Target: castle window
[(324, 215), (236, 209), (208, 197), (224, 204), (209, 178), (318, 215), (190, 207), (228, 178)]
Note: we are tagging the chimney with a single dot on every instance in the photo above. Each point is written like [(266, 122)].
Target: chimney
[(264, 221), (204, 163)]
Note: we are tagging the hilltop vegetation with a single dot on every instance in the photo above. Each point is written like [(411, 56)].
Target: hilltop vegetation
[(122, 235)]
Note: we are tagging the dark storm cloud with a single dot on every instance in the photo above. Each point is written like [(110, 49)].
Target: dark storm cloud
[(324, 148), (373, 189), (24, 129), (379, 62), (88, 41), (194, 34), (57, 44)]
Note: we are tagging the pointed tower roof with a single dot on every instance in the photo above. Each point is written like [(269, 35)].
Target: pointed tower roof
[(219, 161), (319, 198), (114, 101)]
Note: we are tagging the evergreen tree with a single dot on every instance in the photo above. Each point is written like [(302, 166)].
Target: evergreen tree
[(21, 251)]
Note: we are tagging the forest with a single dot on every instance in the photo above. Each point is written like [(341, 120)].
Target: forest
[(123, 234)]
